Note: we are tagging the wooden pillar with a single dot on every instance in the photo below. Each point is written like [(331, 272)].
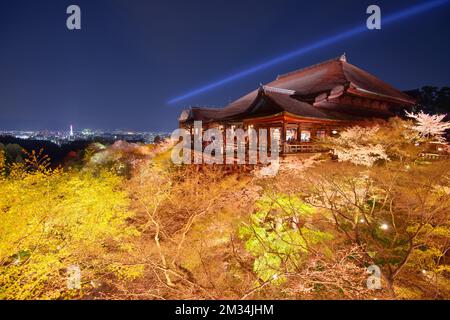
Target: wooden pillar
[(192, 151), (313, 132), (299, 133), (258, 145), (224, 144)]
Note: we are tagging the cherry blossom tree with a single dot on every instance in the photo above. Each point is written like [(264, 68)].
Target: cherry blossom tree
[(357, 146), (430, 126)]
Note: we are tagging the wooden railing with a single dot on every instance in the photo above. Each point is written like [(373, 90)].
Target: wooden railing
[(301, 148), (434, 156), (284, 148), (289, 148)]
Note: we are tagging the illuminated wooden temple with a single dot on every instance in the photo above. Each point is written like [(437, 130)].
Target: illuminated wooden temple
[(308, 104)]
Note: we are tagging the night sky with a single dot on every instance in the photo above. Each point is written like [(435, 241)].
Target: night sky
[(132, 57)]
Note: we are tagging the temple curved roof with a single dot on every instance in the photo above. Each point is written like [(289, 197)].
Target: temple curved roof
[(296, 91)]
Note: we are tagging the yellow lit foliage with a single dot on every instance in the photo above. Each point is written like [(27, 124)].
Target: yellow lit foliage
[(52, 220)]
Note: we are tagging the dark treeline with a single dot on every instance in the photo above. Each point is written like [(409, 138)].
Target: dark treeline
[(432, 100), (58, 154)]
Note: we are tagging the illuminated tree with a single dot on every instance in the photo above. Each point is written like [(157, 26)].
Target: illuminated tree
[(280, 236), (394, 212), (356, 146), (392, 140), (54, 219), (292, 247), (430, 126)]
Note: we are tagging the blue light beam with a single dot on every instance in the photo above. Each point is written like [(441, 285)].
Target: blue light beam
[(394, 17)]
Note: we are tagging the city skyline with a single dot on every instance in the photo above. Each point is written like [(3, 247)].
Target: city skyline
[(61, 137)]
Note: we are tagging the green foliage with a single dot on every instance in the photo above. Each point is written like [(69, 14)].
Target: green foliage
[(51, 220), (280, 236), (14, 153), (430, 256)]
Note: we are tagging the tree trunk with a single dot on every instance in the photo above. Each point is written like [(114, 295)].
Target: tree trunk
[(390, 287)]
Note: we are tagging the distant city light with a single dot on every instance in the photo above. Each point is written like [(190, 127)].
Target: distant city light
[(384, 226), (61, 137)]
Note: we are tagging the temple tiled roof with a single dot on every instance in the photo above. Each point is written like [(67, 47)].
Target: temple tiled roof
[(303, 109), (333, 73), (295, 92)]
